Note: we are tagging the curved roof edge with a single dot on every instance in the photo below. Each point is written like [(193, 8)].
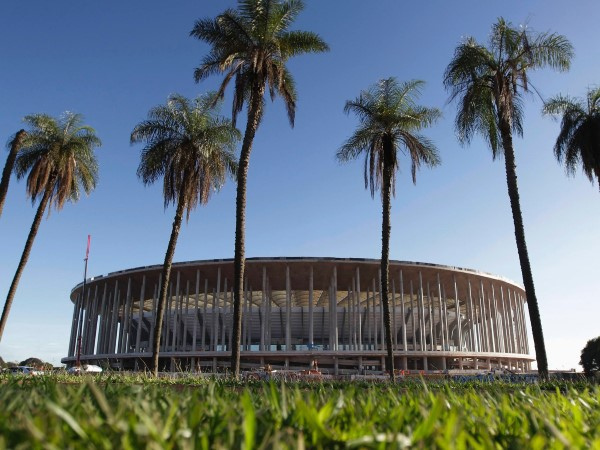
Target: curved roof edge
[(304, 259)]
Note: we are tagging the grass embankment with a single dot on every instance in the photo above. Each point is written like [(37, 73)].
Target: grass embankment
[(115, 412)]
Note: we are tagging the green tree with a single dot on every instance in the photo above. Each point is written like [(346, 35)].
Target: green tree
[(58, 158), (489, 84), (14, 145), (252, 45), (578, 142), (390, 122), (192, 149), (590, 357)]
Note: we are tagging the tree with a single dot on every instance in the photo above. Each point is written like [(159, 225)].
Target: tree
[(14, 146), (590, 357), (390, 121), (192, 149), (578, 142), (58, 159), (489, 84), (252, 44)]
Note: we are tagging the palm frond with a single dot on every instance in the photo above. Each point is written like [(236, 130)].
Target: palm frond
[(189, 146), (389, 116)]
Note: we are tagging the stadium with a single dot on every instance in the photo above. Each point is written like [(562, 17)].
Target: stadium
[(302, 311)]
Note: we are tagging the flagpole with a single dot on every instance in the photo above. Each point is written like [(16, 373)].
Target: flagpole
[(79, 328)]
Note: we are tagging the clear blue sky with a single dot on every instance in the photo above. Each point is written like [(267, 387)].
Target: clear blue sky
[(112, 61)]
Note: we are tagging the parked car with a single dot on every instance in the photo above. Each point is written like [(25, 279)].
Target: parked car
[(25, 370), (84, 368)]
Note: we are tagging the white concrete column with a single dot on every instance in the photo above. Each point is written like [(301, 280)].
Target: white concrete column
[(107, 321), (224, 315), (414, 319), (432, 345), (519, 331), (166, 328), (394, 320), (335, 321), (204, 314), (230, 322), (421, 300), (458, 316), (440, 315), (249, 320), (288, 310), (94, 324), (473, 337), (184, 318), (176, 314), (127, 318), (153, 319), (492, 323), (523, 324), (85, 332), (505, 324), (115, 317), (245, 317), (381, 321), (196, 310), (511, 315), (84, 325), (375, 318), (140, 315), (368, 321), (359, 309), (486, 342), (525, 315), (497, 320), (74, 327), (403, 312), (215, 317), (445, 318), (102, 325), (269, 312)]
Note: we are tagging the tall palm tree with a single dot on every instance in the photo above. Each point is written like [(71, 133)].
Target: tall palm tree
[(14, 145), (578, 142), (192, 149), (58, 158), (252, 45), (489, 83), (390, 122)]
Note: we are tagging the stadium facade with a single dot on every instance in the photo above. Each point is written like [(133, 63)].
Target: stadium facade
[(300, 310)]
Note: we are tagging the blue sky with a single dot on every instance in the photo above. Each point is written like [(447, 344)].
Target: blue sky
[(113, 61)]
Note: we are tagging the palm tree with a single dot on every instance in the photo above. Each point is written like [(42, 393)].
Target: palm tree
[(252, 44), (58, 158), (192, 149), (578, 142), (390, 121), (489, 83), (14, 146)]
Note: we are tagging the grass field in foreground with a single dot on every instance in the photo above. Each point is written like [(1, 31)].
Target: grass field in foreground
[(130, 413)]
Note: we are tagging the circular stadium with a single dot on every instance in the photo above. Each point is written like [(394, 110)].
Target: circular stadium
[(298, 311)]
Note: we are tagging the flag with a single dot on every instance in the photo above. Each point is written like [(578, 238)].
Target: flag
[(87, 251)]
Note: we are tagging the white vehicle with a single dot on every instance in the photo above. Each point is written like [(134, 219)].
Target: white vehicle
[(85, 368), (25, 370)]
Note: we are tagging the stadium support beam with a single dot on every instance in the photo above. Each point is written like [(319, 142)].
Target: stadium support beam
[(311, 318)]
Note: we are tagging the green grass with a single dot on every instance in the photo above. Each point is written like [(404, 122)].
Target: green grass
[(112, 411)]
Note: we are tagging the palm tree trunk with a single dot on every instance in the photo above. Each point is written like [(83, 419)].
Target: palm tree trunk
[(15, 146), (385, 256), (239, 260), (25, 256), (515, 204), (166, 275)]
